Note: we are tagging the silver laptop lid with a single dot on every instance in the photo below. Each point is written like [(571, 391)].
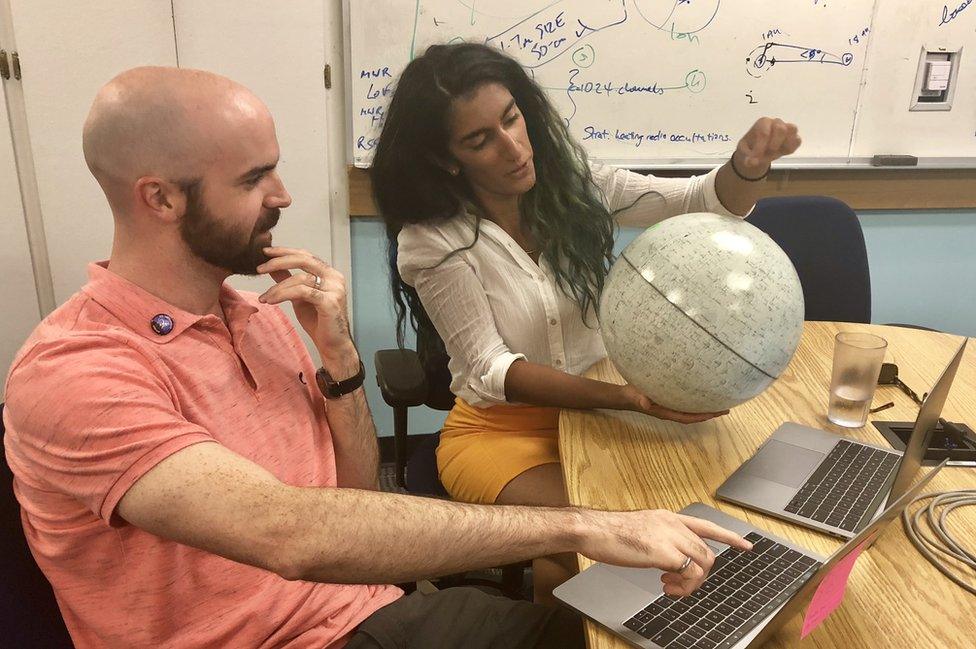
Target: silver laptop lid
[(928, 418), (805, 594)]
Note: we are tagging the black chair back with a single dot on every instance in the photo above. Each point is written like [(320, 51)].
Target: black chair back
[(434, 359), (29, 615), (822, 237)]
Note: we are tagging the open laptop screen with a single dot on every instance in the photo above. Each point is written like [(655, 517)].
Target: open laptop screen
[(925, 423)]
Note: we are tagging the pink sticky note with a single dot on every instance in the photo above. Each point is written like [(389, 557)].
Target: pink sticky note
[(830, 592)]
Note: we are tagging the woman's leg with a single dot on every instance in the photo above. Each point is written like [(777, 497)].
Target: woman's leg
[(542, 486)]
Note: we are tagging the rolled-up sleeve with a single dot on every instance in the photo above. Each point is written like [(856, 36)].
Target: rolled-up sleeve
[(457, 304), (637, 200)]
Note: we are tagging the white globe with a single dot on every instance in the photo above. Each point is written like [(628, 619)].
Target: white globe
[(702, 312)]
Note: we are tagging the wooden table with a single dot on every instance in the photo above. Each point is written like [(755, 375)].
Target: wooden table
[(895, 598)]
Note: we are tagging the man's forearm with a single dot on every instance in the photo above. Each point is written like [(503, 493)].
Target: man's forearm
[(354, 441), (351, 423), (354, 536)]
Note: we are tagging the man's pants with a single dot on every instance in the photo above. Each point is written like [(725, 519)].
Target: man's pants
[(467, 618)]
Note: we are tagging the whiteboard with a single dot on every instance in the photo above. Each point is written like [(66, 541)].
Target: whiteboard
[(678, 82)]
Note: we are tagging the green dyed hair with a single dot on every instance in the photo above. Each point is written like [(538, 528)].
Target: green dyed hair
[(564, 211)]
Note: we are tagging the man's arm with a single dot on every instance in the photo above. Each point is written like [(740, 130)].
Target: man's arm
[(320, 306), (351, 422), (208, 497)]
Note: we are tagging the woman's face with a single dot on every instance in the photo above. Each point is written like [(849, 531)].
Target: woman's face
[(489, 142)]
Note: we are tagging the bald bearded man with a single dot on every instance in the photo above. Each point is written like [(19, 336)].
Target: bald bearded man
[(185, 482)]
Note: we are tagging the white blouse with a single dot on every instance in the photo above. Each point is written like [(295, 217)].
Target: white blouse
[(493, 305)]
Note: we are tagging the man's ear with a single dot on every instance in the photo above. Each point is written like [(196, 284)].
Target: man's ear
[(161, 198)]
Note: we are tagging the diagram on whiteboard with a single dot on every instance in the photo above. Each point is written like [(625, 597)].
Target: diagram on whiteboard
[(638, 80)]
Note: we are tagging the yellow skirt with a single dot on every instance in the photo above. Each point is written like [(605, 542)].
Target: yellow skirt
[(483, 449)]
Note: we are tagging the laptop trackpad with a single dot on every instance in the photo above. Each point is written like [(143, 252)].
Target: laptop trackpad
[(784, 463)]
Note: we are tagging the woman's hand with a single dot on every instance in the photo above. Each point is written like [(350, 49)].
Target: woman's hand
[(634, 400), (769, 139)]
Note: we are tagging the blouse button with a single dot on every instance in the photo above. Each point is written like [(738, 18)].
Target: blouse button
[(552, 321), (559, 362)]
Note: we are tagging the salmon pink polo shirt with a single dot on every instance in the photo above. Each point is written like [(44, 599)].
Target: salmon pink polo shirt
[(96, 398)]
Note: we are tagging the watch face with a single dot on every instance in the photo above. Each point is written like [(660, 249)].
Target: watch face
[(326, 385), (333, 389)]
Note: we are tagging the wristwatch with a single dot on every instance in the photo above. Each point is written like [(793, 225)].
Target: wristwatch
[(333, 389)]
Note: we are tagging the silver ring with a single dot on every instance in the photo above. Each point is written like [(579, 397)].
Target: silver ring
[(684, 566), (318, 282)]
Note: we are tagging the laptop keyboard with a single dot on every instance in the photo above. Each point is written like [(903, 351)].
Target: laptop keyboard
[(741, 590), (844, 485)]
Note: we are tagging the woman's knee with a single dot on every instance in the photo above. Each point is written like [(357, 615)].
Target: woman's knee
[(541, 485)]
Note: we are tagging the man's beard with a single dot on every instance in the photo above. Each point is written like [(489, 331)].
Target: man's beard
[(218, 244)]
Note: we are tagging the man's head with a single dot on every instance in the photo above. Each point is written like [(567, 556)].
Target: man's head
[(187, 161)]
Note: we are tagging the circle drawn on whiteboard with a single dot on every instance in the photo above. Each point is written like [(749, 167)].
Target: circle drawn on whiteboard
[(677, 16), (695, 81), (584, 56)]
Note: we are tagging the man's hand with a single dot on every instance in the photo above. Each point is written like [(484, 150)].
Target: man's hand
[(318, 294), (657, 539), (638, 402), (768, 140)]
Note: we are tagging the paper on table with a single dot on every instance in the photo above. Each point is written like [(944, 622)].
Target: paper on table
[(830, 592)]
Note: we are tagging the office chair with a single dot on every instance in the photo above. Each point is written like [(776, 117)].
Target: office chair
[(405, 382), (822, 237), (29, 615)]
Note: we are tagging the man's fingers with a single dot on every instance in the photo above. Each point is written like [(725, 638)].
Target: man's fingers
[(685, 582), (330, 285), (285, 282), (280, 251), (298, 293), (280, 269), (291, 262), (699, 552), (274, 294), (709, 530)]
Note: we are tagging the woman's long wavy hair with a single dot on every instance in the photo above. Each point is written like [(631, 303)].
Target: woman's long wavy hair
[(563, 211)]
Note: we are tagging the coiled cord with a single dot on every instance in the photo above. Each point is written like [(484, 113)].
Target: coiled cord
[(937, 539)]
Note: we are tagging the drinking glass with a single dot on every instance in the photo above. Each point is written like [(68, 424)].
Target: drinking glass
[(857, 364)]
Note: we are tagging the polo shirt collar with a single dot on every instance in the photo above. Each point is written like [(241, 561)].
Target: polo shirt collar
[(135, 307)]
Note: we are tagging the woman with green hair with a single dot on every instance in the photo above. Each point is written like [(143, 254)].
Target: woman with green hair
[(501, 235)]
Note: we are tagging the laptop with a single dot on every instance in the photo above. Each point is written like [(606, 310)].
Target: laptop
[(746, 597), (831, 483)]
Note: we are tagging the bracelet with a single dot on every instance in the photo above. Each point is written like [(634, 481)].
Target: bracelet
[(739, 174)]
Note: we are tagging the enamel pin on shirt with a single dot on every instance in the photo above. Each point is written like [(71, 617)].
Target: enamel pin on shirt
[(161, 323)]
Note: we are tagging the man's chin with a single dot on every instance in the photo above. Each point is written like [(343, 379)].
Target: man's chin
[(246, 266)]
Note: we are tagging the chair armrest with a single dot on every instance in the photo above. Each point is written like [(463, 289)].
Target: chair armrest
[(400, 377)]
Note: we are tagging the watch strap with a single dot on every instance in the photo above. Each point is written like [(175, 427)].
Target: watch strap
[(333, 389)]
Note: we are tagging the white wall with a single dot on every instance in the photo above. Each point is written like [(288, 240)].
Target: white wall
[(68, 50), (18, 296)]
